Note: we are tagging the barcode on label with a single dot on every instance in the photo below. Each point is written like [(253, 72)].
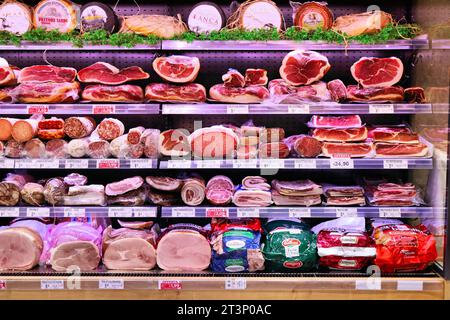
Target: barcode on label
[(169, 285), (144, 212), (104, 109), (52, 284), (111, 284), (235, 284), (108, 164), (6, 163), (346, 212), (237, 109), (271, 163), (183, 212), (248, 212), (74, 212), (341, 163), (409, 285), (395, 164), (9, 212), (179, 164), (381, 108), (242, 164), (208, 164), (37, 108), (217, 212), (299, 109), (299, 212), (120, 212), (76, 163), (38, 212), (305, 164), (141, 163), (390, 212)]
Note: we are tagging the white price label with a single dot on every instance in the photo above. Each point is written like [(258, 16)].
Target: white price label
[(120, 212), (74, 212), (183, 212), (237, 109), (37, 164), (341, 163), (141, 163), (76, 163), (179, 164), (104, 109), (245, 164), (52, 284), (346, 212), (205, 164), (144, 212), (299, 212), (235, 284), (9, 212), (395, 164), (37, 108), (305, 164), (381, 108), (390, 212), (111, 284), (299, 109), (6, 163), (38, 212), (248, 212), (409, 285), (371, 283), (271, 163)]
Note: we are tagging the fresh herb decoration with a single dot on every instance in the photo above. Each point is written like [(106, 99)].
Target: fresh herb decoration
[(129, 40)]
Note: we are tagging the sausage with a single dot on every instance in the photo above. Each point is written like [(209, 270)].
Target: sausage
[(134, 135), (34, 149), (2, 149), (54, 191), (150, 140), (33, 193), (56, 148), (98, 149), (135, 151), (79, 127), (77, 148), (110, 128), (25, 129), (52, 123), (13, 149), (120, 147)]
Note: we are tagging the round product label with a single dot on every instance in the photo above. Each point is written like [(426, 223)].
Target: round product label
[(55, 15), (93, 18), (235, 244), (293, 264), (259, 15), (14, 18), (204, 19), (235, 268), (312, 20)]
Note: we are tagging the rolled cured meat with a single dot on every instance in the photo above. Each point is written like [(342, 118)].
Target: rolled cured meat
[(34, 149), (219, 190), (255, 182), (26, 129), (286, 200), (164, 183), (193, 191), (252, 198), (56, 148), (9, 194), (33, 194)]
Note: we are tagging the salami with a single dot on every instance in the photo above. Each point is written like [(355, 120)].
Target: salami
[(79, 127), (34, 149), (110, 128), (98, 149), (134, 135), (13, 149), (150, 140), (9, 194), (77, 148), (54, 191), (52, 128), (120, 147), (6, 125), (135, 151), (56, 148), (33, 193)]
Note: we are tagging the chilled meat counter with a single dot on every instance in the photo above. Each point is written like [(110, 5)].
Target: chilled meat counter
[(194, 150)]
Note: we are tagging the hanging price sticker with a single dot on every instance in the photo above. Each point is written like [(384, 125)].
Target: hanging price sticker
[(73, 212), (104, 109), (248, 212), (6, 163), (52, 284), (381, 108), (346, 212), (38, 212), (217, 212), (341, 163), (76, 164), (169, 285), (37, 109), (144, 212), (235, 284), (179, 164), (395, 164), (237, 109), (390, 212), (205, 164), (299, 212), (305, 164), (141, 163), (299, 109), (271, 163), (120, 212), (244, 164), (409, 285), (108, 164), (183, 212), (9, 212), (111, 284)]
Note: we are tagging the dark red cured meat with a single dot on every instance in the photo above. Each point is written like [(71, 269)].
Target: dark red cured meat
[(99, 149), (55, 148), (387, 130), (274, 150), (391, 94), (338, 90), (340, 135), (353, 121), (303, 67), (134, 135), (123, 93), (174, 142), (104, 73), (414, 95), (401, 149), (304, 146), (46, 92), (233, 78), (110, 128), (377, 72), (250, 94), (47, 73), (256, 77), (165, 92), (331, 149), (282, 92), (178, 69), (52, 123)]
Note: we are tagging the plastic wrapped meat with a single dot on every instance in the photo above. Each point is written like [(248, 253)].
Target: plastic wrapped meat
[(131, 198), (252, 198), (90, 195)]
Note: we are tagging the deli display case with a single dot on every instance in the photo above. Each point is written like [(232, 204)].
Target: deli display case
[(255, 150)]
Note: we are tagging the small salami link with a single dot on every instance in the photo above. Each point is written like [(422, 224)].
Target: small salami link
[(98, 149), (56, 148), (134, 135)]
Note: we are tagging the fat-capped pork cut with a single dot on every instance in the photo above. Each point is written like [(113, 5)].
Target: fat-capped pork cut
[(250, 94), (105, 73), (166, 92), (47, 73), (126, 93), (372, 72), (176, 68)]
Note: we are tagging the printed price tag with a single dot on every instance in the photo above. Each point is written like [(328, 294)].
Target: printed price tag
[(111, 284), (205, 164), (38, 212), (183, 212), (76, 163), (237, 109), (341, 163), (108, 164), (299, 212), (346, 212), (381, 108), (395, 164), (390, 212), (6, 163), (371, 283), (37, 108), (305, 164), (74, 212), (299, 109), (144, 212), (248, 212), (179, 164), (37, 164), (120, 212), (104, 109), (2, 284), (409, 285), (271, 163), (52, 284), (243, 164), (217, 212), (169, 285), (141, 163), (9, 212), (235, 284)]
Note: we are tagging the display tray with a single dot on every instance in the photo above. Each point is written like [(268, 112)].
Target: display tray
[(79, 108), (78, 163)]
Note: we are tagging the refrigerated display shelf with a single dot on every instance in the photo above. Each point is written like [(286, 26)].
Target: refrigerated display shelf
[(79, 108), (78, 163), (64, 46), (320, 163)]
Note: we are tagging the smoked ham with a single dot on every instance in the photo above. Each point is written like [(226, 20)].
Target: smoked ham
[(401, 149), (375, 94), (46, 92)]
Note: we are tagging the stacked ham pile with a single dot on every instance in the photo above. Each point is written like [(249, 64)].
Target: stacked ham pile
[(296, 193), (253, 192), (343, 195), (237, 88), (384, 193), (181, 72)]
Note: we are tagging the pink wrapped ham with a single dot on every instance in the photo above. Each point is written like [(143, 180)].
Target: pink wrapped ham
[(219, 190)]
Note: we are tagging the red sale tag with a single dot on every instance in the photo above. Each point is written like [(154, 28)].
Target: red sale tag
[(108, 164), (217, 212), (169, 285), (104, 109), (40, 109), (2, 285)]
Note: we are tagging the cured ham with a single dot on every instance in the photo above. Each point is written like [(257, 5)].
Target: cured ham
[(164, 183), (344, 195), (219, 190), (46, 92), (384, 193), (47, 73), (213, 142), (375, 94), (362, 23), (174, 143), (233, 78), (401, 149), (339, 122), (252, 198), (414, 95), (283, 93), (256, 77), (304, 146), (351, 150), (274, 150), (165, 92), (177, 69), (372, 72), (250, 94), (193, 191), (392, 136), (126, 93), (338, 90), (105, 73), (340, 135)]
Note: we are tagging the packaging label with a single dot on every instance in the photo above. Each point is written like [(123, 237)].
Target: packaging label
[(38, 212), (37, 109), (120, 212), (144, 212), (169, 285), (341, 163), (381, 108), (235, 284), (346, 212), (299, 109), (217, 212), (183, 212), (104, 109), (242, 164), (74, 212), (9, 212), (248, 212), (141, 163), (52, 284), (395, 164), (76, 164)]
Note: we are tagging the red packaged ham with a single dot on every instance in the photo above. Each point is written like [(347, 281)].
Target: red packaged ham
[(283, 93), (287, 200), (384, 193), (219, 190), (126, 93), (177, 68), (105, 73), (213, 142), (377, 72), (110, 128), (46, 92), (250, 94), (47, 73), (339, 122), (166, 92), (233, 78)]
